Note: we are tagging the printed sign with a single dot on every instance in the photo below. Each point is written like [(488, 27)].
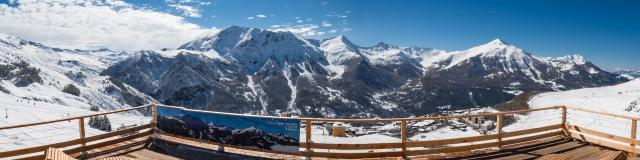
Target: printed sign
[(276, 134)]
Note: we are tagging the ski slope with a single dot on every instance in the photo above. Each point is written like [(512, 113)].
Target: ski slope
[(15, 110)]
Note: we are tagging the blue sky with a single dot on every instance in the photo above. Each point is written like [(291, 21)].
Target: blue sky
[(605, 32)]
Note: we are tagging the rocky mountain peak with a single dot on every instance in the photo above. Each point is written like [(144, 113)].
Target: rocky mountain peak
[(498, 42), (252, 47), (382, 46), (573, 58)]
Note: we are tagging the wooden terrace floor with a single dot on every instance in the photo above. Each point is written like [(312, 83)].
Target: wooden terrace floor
[(172, 148)]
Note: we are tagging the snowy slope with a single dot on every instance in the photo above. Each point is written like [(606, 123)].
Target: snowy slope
[(619, 99), (61, 67), (32, 83), (15, 110), (612, 99)]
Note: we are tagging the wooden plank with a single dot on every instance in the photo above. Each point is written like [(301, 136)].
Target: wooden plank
[(500, 118), (353, 155), (452, 149), (114, 149), (197, 143), (352, 146), (564, 115), (564, 120), (118, 132), (604, 113), (110, 142), (154, 116), (577, 129), (68, 119), (403, 137), (591, 139), (38, 148), (57, 154), (163, 135), (531, 138), (480, 138), (481, 146), (442, 142), (71, 142), (82, 133), (308, 134), (634, 129), (530, 131)]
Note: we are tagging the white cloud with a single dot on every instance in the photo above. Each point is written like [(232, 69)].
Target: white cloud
[(187, 10), (261, 16), (117, 3), (300, 21), (250, 18), (333, 31), (92, 24), (305, 30), (326, 24)]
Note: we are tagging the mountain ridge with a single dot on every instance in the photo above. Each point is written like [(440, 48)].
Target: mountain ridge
[(257, 71)]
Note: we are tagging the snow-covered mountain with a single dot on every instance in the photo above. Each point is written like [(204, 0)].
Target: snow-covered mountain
[(250, 70), (629, 74), (493, 73), (36, 72)]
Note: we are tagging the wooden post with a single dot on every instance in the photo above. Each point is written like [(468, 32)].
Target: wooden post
[(564, 116), (403, 136), (500, 118), (82, 134), (634, 128), (154, 116), (308, 134), (564, 121)]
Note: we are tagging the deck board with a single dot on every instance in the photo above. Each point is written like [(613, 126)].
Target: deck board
[(553, 148), (550, 148)]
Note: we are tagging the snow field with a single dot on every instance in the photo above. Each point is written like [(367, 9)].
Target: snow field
[(13, 113)]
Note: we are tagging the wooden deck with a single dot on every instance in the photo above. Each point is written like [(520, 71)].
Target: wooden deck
[(554, 141), (548, 149)]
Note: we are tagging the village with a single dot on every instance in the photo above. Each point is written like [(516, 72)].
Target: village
[(482, 125)]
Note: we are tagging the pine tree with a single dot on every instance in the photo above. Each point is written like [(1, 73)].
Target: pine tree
[(101, 123)]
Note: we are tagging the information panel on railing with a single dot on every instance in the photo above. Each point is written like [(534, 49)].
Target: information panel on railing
[(276, 134)]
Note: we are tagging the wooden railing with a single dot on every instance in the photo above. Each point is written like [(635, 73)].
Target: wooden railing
[(407, 148), (403, 148), (83, 143), (603, 138)]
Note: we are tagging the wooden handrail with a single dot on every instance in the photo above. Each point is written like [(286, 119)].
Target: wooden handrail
[(68, 119), (370, 119), (605, 113)]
